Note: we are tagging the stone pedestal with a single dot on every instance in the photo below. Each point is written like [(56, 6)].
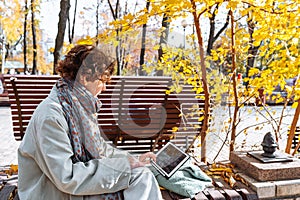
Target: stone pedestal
[(265, 171), (269, 180)]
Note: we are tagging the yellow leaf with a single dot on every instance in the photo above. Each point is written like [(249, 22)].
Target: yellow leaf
[(156, 47), (201, 118), (175, 129), (253, 71), (87, 40), (51, 50), (295, 104), (14, 168)]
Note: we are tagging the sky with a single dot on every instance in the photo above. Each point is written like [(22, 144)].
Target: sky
[(49, 17), (50, 12), (84, 26)]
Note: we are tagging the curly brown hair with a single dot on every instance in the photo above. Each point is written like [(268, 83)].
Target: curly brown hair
[(87, 60)]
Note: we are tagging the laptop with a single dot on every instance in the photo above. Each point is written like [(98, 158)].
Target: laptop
[(169, 159)]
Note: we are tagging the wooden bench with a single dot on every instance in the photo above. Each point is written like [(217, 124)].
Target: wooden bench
[(137, 114), (8, 191), (221, 191), (296, 138)]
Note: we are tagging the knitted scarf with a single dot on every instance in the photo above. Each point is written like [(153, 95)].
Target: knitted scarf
[(80, 108)]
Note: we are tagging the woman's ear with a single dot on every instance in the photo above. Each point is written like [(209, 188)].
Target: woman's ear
[(81, 79)]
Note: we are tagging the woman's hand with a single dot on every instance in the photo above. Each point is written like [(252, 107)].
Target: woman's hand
[(142, 161), (146, 157)]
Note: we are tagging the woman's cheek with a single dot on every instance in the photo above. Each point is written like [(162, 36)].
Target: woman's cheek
[(98, 89)]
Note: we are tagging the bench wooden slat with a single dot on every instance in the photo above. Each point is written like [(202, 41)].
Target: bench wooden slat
[(41, 92), (33, 96), (232, 194), (25, 107), (296, 138), (27, 103), (214, 194), (246, 194), (201, 196)]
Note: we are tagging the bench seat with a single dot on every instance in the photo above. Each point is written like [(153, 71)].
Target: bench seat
[(8, 191)]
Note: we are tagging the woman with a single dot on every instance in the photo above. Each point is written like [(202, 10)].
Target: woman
[(63, 156)]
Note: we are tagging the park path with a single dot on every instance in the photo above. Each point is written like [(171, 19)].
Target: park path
[(8, 145)]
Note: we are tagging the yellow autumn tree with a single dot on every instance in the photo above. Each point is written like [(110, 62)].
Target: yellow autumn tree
[(278, 35), (275, 35), (12, 24), (266, 32)]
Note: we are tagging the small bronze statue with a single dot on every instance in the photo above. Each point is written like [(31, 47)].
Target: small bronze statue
[(269, 145), (269, 155)]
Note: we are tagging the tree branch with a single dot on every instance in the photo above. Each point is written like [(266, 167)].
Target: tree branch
[(267, 11), (223, 28), (112, 10)]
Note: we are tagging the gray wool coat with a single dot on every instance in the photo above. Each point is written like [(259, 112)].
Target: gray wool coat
[(46, 170)]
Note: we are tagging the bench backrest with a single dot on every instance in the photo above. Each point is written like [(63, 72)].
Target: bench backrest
[(137, 114), (296, 138)]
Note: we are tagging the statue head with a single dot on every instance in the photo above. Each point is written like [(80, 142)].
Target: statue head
[(269, 145)]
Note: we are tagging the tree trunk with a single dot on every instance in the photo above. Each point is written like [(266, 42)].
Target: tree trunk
[(34, 61), (252, 51), (212, 37), (163, 39), (97, 21), (293, 128), (115, 15), (143, 49), (59, 41), (71, 32), (211, 30), (233, 70), (203, 76), (25, 37)]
